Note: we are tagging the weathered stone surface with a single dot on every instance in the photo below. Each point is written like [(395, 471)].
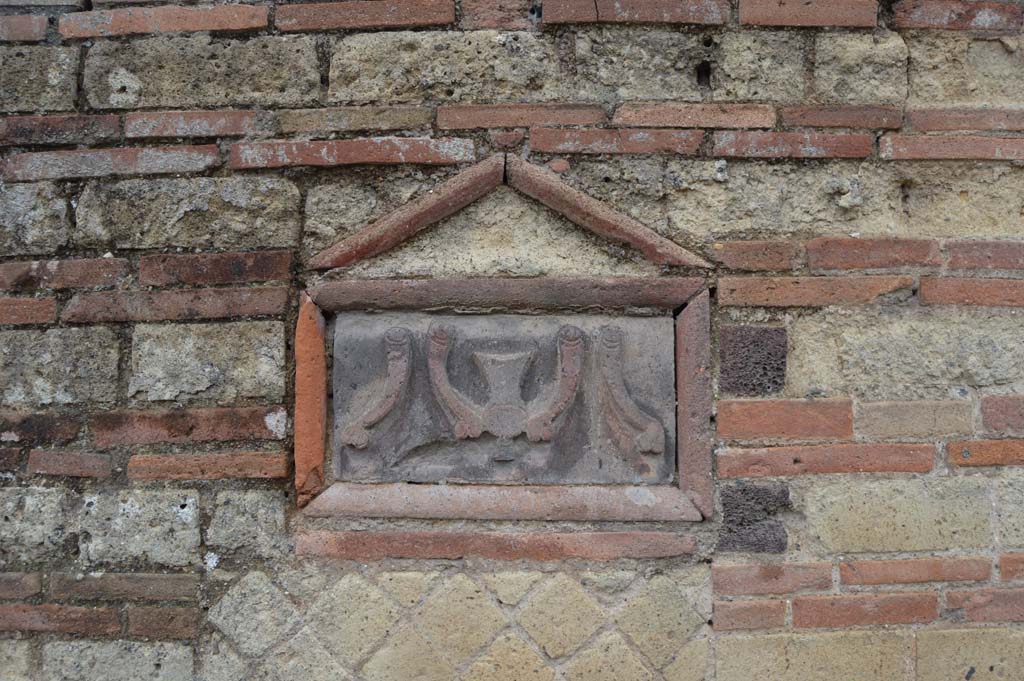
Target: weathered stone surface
[(58, 366), (752, 360), (561, 616), (407, 587), (960, 200), (799, 657), (982, 654), (303, 657), (159, 527), (511, 586), (949, 68), (218, 661), (748, 522), (874, 354), (209, 361), (407, 655), (509, 657), (36, 78), (608, 659), (691, 664), (405, 66), (634, 186), (250, 521), (197, 71), (760, 65), (351, 617), (659, 620), (15, 660), (34, 523), (459, 600), (637, 63), (900, 515), (33, 219), (254, 614), (1010, 509), (116, 661), (860, 68), (203, 212), (527, 402)]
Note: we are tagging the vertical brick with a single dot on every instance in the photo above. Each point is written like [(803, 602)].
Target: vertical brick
[(785, 419), (761, 614), (310, 400)]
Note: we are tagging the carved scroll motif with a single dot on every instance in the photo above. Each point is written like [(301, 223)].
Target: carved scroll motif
[(632, 431), (468, 423), (398, 351), (540, 425)]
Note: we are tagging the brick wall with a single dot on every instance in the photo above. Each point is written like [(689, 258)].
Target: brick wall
[(852, 169)]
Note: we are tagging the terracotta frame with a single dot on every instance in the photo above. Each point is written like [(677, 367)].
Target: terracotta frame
[(691, 500)]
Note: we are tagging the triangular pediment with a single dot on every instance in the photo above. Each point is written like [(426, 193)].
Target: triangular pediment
[(497, 176)]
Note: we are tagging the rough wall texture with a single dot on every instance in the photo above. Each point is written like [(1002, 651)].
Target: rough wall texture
[(852, 168)]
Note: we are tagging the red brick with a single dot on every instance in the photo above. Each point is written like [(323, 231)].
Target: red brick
[(736, 615), (957, 15), (188, 425), (864, 610), (18, 585), (757, 256), (859, 13), (167, 19), (215, 268), (985, 255), (636, 11), (966, 119), (951, 147), (777, 578), (695, 115), (371, 151), (163, 623), (989, 605), (792, 145), (60, 129), (506, 139), (16, 311), (695, 403), (192, 124), (989, 292), (22, 28), (61, 274), (63, 619), (214, 303), (986, 453), (213, 466), (915, 571), (825, 459), (785, 419), (843, 253), (310, 400), (1003, 414), (807, 291), (1011, 566), (544, 546), (26, 428), (57, 165), (10, 459), (467, 116), (505, 14), (863, 117), (615, 141), (68, 463), (361, 14), (111, 586)]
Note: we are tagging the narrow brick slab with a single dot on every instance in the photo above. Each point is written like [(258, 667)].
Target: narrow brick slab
[(19, 311), (18, 585), (370, 151), (807, 291), (985, 255), (757, 256), (1011, 566), (310, 400), (125, 306), (468, 116), (1003, 414), (168, 19), (113, 586), (755, 144), (915, 571), (864, 117), (547, 546), (68, 463), (189, 425), (775, 578), (927, 120), (63, 619), (363, 14), (695, 115), (864, 610), (214, 268), (616, 141), (825, 459), (989, 605), (785, 419), (62, 274), (545, 293), (988, 292), (636, 11), (851, 13), (986, 453), (192, 124), (213, 466), (345, 118), (59, 129), (505, 502), (57, 165), (22, 28), (951, 147), (27, 428), (844, 253), (167, 623), (749, 614), (958, 15)]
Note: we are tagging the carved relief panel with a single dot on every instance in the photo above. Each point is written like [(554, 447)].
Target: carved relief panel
[(573, 399)]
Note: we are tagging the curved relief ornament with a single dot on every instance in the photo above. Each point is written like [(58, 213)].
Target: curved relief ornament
[(398, 353), (540, 425), (633, 432), (468, 423)]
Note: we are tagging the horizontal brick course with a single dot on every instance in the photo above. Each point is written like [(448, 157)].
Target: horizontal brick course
[(915, 571), (57, 165), (27, 428), (68, 463), (951, 147), (167, 19), (985, 255), (362, 14), (761, 614), (344, 118), (825, 459), (62, 274), (1003, 414), (973, 15), (213, 466), (214, 268), (378, 150), (785, 419), (192, 124), (17, 585), (112, 586), (182, 305), (615, 141), (59, 129), (989, 292), (851, 13), (163, 622), (792, 145), (61, 619), (986, 452), (757, 256), (807, 291), (188, 425), (468, 116), (1011, 567), (864, 610), (988, 605), (636, 11), (843, 253), (22, 28), (918, 419), (18, 311), (775, 578), (505, 14), (864, 117), (965, 119), (695, 115)]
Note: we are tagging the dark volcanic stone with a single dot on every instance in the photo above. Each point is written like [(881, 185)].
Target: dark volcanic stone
[(753, 360)]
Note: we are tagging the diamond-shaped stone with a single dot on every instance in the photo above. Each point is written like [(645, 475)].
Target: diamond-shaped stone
[(406, 587), (351, 617), (561, 616), (659, 620), (303, 658), (459, 619), (219, 662), (407, 656), (609, 659), (691, 664), (254, 614), (510, 658), (512, 585)]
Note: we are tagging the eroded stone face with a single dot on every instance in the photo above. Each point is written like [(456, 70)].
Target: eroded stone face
[(160, 527), (59, 366), (798, 657), (572, 399), (34, 523), (37, 78), (116, 661), (948, 69), (860, 68), (33, 219)]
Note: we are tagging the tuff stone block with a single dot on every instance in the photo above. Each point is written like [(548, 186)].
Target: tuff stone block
[(659, 619), (607, 659), (797, 657), (622, 64), (116, 661), (33, 219), (984, 654), (510, 657), (351, 617), (58, 366), (34, 524), (1010, 509), (954, 69), (459, 600), (37, 78), (250, 522), (160, 527), (16, 660), (560, 616), (254, 614), (860, 68)]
